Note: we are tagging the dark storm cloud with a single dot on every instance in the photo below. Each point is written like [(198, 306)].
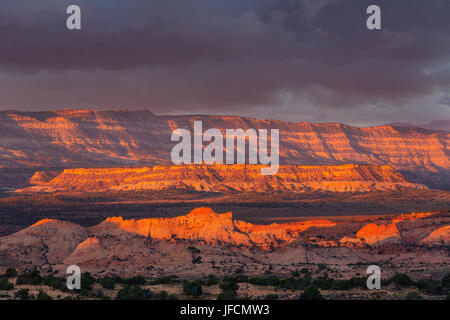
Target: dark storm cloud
[(293, 59)]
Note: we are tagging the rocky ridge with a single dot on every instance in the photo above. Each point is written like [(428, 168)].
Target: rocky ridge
[(173, 243), (224, 178), (89, 138)]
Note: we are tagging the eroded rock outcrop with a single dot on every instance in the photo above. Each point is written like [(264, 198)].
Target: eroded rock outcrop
[(228, 178), (438, 237), (172, 245), (89, 138), (203, 224)]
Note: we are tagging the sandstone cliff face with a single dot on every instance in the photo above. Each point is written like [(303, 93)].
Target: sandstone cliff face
[(440, 236), (168, 245), (374, 234), (225, 178), (84, 138), (204, 225), (46, 242)]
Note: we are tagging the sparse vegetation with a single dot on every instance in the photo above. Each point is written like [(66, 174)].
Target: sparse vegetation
[(192, 288), (414, 296), (11, 273), (130, 292), (29, 277), (5, 285), (23, 294), (311, 293), (402, 280)]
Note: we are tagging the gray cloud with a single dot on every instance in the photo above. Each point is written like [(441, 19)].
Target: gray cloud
[(293, 60)]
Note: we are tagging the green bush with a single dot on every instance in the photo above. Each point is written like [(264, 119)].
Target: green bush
[(265, 281), (402, 279), (11, 273), (348, 284), (271, 296), (133, 293), (108, 283), (414, 296), (135, 281), (23, 294), (432, 287), (164, 280), (311, 293), (212, 280), (54, 282), (294, 284), (229, 286), (43, 296), (6, 285), (162, 295), (29, 277), (227, 295), (192, 288), (323, 283), (446, 281), (87, 281)]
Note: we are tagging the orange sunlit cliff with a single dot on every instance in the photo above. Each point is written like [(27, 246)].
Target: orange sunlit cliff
[(224, 178), (90, 138), (170, 243)]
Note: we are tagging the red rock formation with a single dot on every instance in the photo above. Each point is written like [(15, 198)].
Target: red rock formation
[(203, 224), (379, 234), (440, 236), (78, 138), (226, 178), (373, 234), (167, 243)]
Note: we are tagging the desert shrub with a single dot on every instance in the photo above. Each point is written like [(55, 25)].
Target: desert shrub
[(135, 281), (108, 283), (414, 296), (11, 273), (265, 281), (237, 278), (229, 286), (54, 282), (23, 294), (162, 295), (192, 288), (445, 281), (133, 293), (402, 279), (290, 283), (164, 280), (87, 281), (271, 296), (323, 283), (341, 285), (29, 277), (349, 284), (311, 293), (43, 296), (227, 295), (6, 285), (305, 271), (433, 287), (212, 280)]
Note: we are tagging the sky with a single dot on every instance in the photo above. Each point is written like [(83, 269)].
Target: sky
[(294, 60)]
